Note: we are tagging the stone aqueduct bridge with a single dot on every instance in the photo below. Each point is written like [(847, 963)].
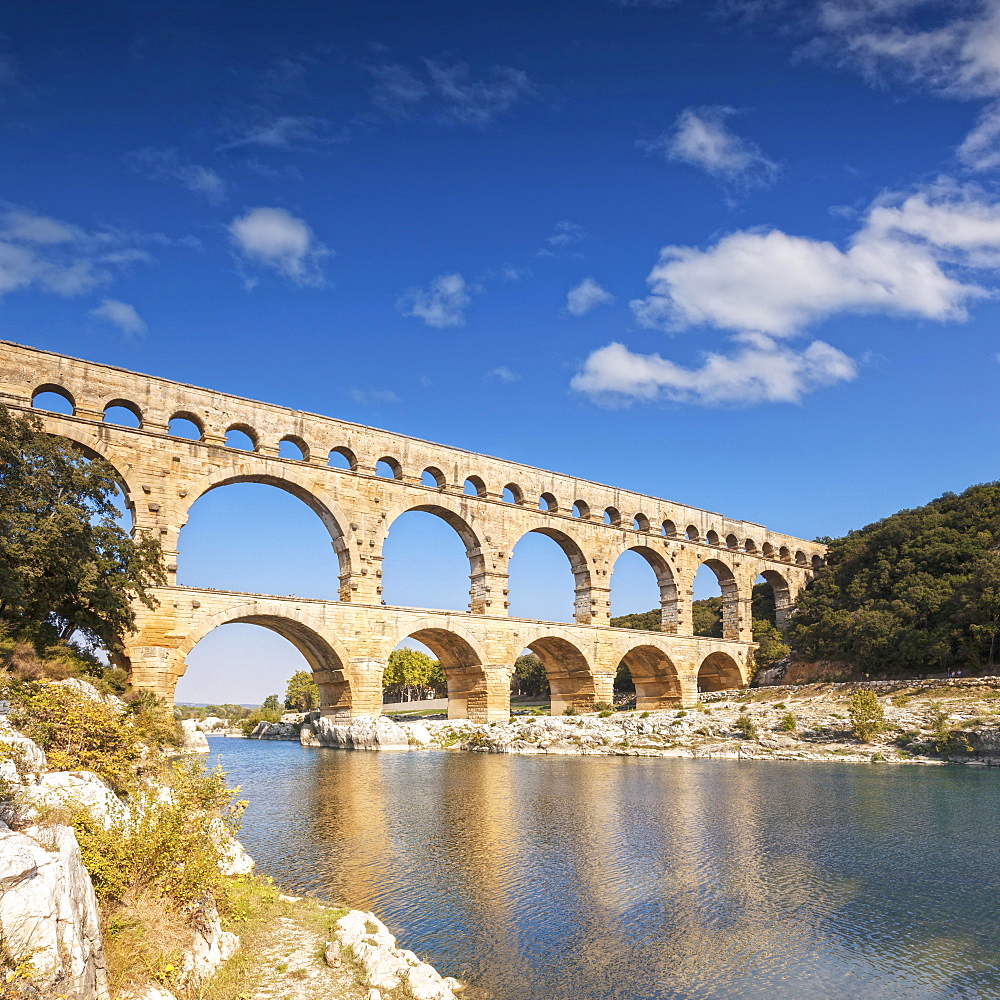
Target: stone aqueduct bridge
[(489, 502)]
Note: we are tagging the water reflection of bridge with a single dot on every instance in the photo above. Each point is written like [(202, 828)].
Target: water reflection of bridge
[(490, 503)]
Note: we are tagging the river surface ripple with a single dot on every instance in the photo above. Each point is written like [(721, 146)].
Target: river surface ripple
[(620, 878)]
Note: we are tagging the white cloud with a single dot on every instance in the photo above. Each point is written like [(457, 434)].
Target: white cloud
[(956, 50), (906, 259), (758, 372), (503, 374), (121, 315), (275, 131), (586, 296), (441, 305), (566, 234), (49, 255), (449, 93), (702, 138), (980, 149), (276, 239), (166, 165)]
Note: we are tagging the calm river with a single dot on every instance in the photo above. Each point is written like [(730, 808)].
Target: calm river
[(592, 878)]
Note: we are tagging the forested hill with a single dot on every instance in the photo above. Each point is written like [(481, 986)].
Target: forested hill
[(916, 592)]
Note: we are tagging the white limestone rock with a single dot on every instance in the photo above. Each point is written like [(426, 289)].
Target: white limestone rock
[(364, 733), (210, 946), (419, 734), (235, 860), (210, 723), (275, 731), (149, 993), (383, 965), (84, 689), (76, 790), (48, 911), (21, 759), (195, 740)]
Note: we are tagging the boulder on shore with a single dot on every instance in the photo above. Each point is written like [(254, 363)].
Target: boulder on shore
[(195, 740), (48, 911), (367, 732)]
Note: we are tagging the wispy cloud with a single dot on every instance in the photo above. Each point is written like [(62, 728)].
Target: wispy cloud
[(503, 374), (372, 396), (166, 165), (449, 93), (272, 131), (279, 241), (121, 315), (586, 296), (441, 305), (564, 236), (49, 255), (701, 137)]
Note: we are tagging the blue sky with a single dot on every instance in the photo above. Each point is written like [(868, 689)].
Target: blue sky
[(738, 254)]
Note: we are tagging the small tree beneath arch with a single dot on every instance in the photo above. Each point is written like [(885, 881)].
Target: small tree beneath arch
[(302, 692), (66, 566)]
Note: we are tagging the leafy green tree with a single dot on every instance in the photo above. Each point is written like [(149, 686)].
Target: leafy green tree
[(623, 678), (530, 678), (411, 675), (916, 592), (302, 692), (867, 715), (647, 621), (66, 566), (771, 645), (272, 703)]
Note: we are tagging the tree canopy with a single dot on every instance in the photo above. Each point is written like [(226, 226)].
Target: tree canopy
[(916, 592), (302, 692), (411, 675), (66, 566)]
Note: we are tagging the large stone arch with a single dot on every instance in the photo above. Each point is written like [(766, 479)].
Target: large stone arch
[(291, 481), (456, 515), (719, 672), (732, 612), (570, 672), (665, 581), (324, 653), (578, 564), (657, 683), (463, 661)]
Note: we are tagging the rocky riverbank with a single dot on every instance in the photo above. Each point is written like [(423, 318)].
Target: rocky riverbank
[(54, 932), (927, 721)]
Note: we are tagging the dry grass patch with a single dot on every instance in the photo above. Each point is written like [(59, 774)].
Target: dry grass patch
[(144, 938)]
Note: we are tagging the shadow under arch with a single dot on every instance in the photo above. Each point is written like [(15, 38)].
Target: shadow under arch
[(730, 598), (655, 677), (571, 679), (462, 662), (719, 672), (660, 565), (782, 597), (450, 512), (290, 482), (582, 612), (325, 655)]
